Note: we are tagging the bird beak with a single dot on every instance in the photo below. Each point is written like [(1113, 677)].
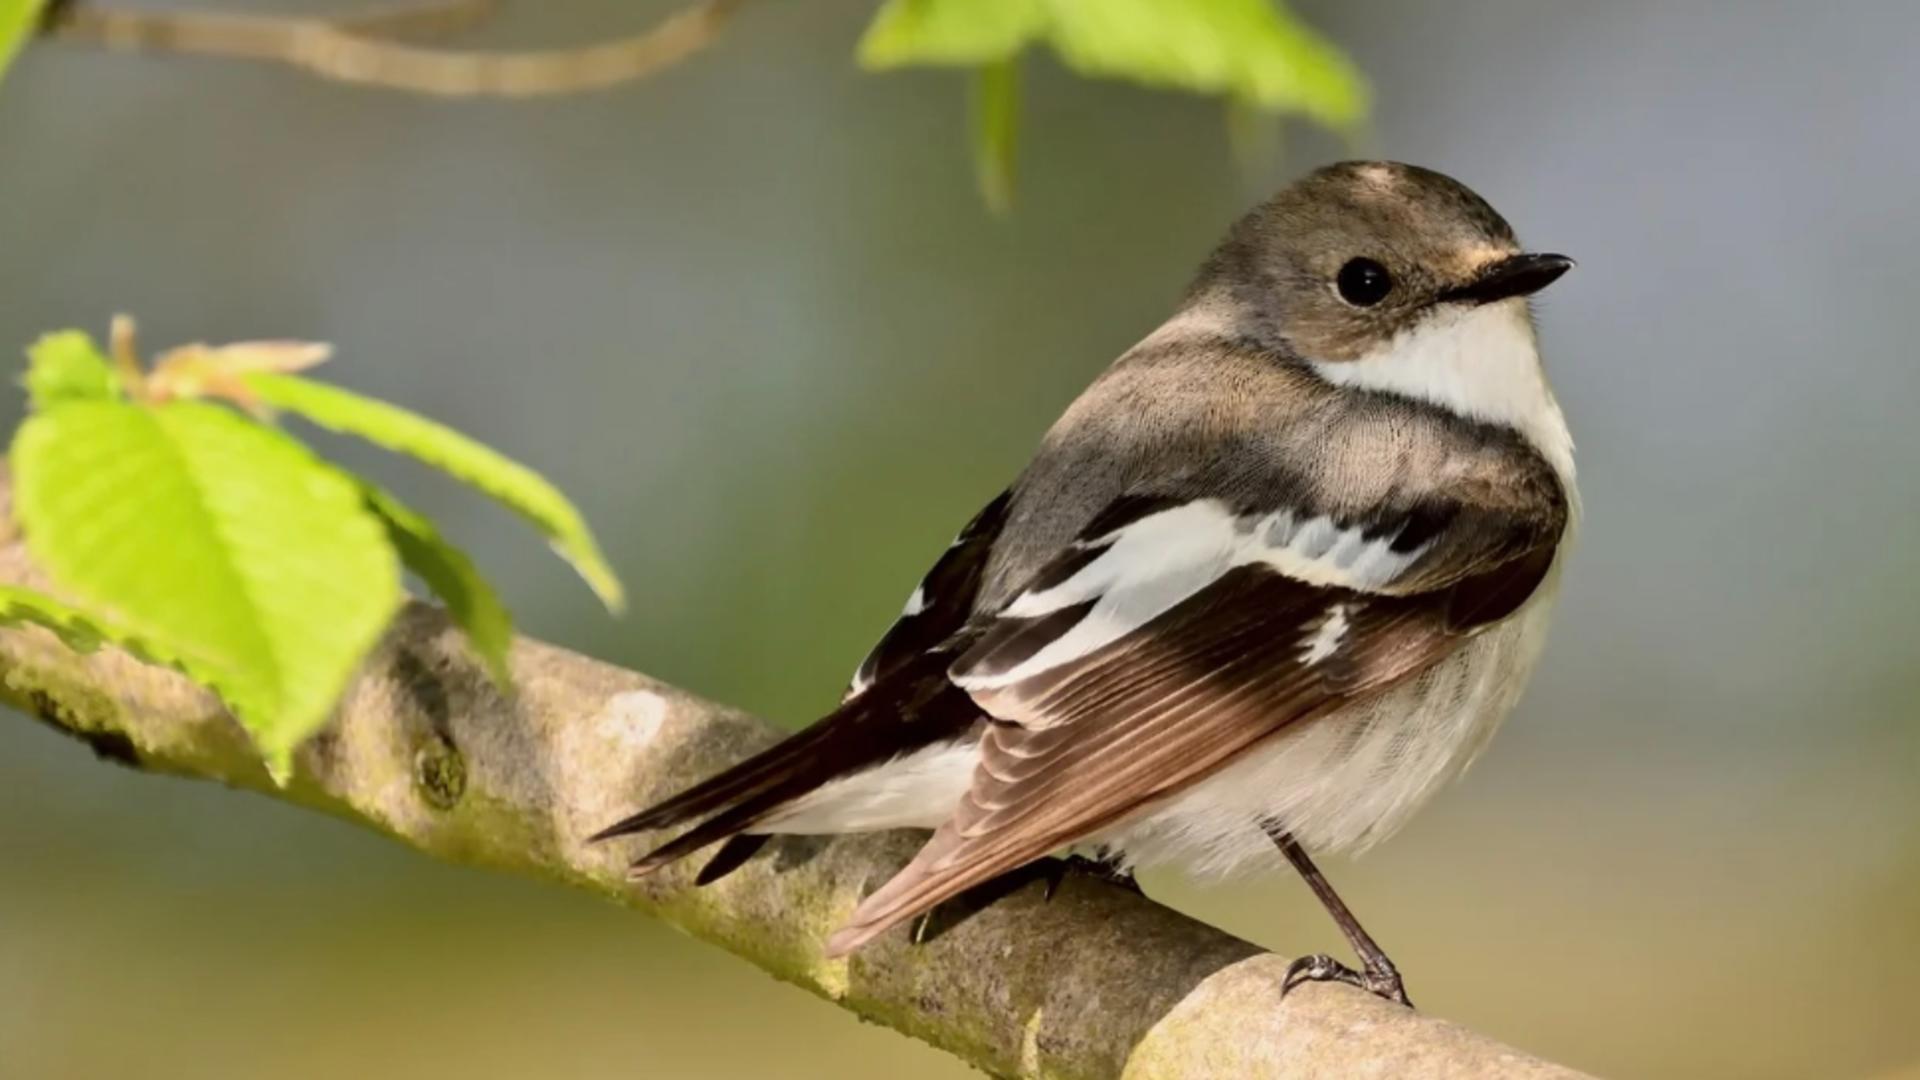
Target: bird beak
[(1515, 275)]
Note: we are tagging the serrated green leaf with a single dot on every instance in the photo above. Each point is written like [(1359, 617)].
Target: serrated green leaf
[(18, 21), (450, 573), (507, 481), (960, 32), (67, 366), (996, 129), (222, 542), (25, 606), (81, 631)]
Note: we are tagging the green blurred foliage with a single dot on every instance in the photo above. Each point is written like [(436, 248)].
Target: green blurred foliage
[(1254, 50), (996, 129), (1254, 53), (18, 20)]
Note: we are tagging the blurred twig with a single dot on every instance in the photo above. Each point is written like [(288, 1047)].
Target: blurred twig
[(355, 48), (1095, 982)]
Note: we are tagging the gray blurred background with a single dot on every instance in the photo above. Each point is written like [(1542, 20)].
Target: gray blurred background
[(752, 314)]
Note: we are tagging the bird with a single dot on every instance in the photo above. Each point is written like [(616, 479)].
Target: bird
[(1272, 580)]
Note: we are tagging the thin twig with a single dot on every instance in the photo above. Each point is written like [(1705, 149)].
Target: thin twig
[(353, 48)]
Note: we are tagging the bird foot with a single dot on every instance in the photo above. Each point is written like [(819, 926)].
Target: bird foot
[(1380, 979), (1109, 872), (1051, 873)]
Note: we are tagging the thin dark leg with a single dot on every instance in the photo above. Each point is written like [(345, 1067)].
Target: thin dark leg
[(1379, 977)]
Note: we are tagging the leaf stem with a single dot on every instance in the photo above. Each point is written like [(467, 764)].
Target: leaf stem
[(126, 356)]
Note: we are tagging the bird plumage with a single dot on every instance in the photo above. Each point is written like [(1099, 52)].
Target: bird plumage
[(1285, 563)]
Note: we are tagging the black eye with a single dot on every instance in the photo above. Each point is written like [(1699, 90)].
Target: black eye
[(1363, 282)]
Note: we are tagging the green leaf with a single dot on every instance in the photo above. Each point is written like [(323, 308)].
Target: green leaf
[(996, 121), (67, 366), (74, 627), (511, 483), (952, 32), (223, 543), (19, 19), (81, 631), (1255, 49), (450, 573)]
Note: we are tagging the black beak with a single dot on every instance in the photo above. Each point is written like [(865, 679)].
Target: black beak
[(1516, 275)]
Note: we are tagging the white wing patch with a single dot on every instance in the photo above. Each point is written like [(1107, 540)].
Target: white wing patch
[(1152, 564), (1326, 637), (1318, 552)]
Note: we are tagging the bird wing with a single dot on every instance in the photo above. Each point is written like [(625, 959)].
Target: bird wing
[(942, 603), (1175, 633), (900, 701)]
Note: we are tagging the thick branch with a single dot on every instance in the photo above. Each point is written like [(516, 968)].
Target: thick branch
[(1096, 982)]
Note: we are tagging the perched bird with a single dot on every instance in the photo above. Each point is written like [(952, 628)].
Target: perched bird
[(1270, 581)]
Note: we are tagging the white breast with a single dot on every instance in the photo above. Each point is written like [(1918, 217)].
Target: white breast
[(1482, 362)]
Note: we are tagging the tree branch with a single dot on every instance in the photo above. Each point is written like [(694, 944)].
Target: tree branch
[(1096, 982), (352, 48)]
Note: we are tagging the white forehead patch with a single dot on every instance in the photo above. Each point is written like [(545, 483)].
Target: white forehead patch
[(1377, 176)]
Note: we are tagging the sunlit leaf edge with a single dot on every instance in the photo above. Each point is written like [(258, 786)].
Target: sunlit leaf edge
[(466, 459)]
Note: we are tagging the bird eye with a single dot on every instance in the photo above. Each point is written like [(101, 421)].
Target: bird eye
[(1363, 282)]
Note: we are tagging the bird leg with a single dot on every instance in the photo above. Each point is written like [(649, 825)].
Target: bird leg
[(1380, 977)]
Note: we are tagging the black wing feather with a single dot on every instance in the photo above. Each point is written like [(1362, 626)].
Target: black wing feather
[(902, 702), (947, 593)]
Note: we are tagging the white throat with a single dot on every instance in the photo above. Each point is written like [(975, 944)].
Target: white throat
[(1481, 362)]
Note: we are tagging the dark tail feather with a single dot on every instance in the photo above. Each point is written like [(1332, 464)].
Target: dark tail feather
[(732, 856), (719, 790), (911, 708), (721, 826)]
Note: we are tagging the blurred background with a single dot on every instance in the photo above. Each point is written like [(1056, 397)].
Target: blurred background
[(753, 315)]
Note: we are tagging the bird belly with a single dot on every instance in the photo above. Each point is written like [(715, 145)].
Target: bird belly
[(1349, 779)]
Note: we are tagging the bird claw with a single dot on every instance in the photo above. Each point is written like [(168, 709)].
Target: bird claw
[(1051, 873), (1380, 980), (1095, 868)]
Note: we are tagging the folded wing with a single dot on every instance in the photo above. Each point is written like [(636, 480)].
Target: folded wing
[(1173, 635)]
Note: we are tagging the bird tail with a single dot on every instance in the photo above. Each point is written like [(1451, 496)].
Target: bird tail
[(909, 709)]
